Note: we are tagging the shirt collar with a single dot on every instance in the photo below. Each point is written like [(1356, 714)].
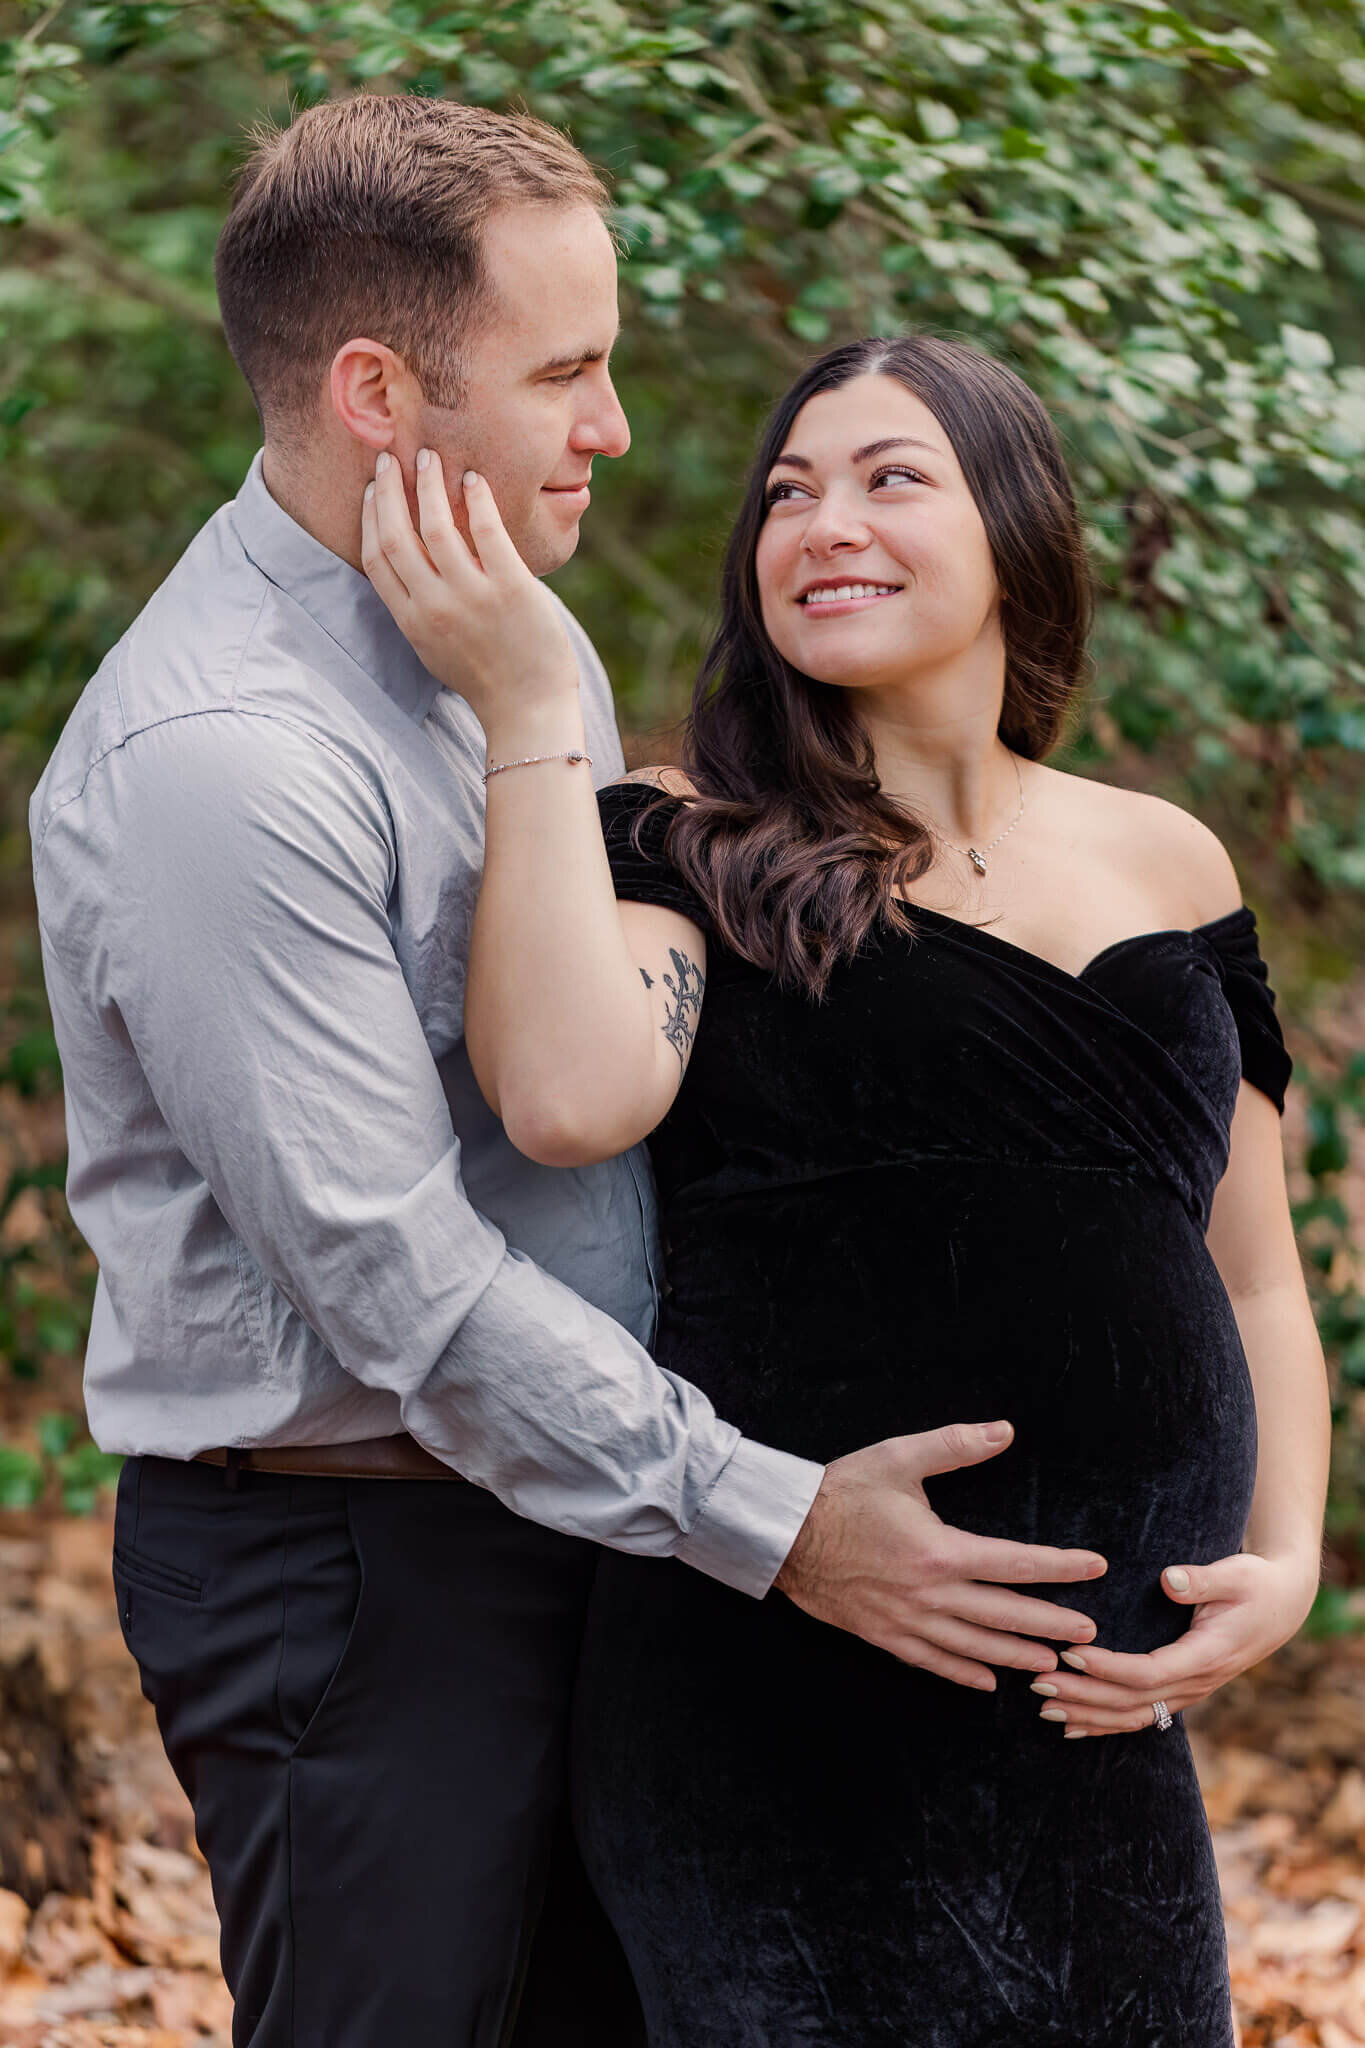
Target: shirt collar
[(337, 597)]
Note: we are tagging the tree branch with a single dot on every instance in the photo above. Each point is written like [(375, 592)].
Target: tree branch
[(125, 274), (1317, 199)]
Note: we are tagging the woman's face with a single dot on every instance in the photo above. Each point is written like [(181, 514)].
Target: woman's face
[(868, 496)]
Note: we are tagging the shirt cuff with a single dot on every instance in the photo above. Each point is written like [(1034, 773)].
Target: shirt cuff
[(751, 1517)]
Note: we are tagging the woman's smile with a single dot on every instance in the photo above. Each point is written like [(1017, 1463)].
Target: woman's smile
[(828, 598)]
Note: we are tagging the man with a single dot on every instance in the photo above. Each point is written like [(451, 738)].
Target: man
[(328, 1284)]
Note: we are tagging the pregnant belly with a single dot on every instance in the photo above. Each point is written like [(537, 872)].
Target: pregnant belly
[(1081, 1305)]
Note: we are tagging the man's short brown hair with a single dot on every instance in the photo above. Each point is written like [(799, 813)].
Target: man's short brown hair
[(365, 217)]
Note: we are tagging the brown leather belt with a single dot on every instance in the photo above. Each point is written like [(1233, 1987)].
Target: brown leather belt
[(376, 1457)]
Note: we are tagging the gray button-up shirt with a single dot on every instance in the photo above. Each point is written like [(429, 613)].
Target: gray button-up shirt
[(257, 848)]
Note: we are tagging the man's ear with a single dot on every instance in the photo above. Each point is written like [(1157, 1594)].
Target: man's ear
[(372, 391)]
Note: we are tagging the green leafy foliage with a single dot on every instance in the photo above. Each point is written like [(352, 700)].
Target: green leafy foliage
[(1158, 218), (67, 1465)]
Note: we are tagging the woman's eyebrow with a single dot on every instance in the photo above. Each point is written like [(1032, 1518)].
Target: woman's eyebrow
[(793, 461)]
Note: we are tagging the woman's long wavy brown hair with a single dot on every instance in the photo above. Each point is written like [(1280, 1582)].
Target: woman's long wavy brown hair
[(791, 842)]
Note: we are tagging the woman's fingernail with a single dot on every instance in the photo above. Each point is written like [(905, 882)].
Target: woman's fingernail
[(471, 476), (1053, 1714), (1041, 1685), (1075, 1734), (381, 465), (424, 458), (1178, 1580), (369, 492), (1076, 1662)]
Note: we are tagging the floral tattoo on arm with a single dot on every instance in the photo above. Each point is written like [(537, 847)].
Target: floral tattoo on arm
[(686, 986)]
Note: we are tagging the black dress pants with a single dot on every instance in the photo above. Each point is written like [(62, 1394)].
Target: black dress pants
[(363, 1686)]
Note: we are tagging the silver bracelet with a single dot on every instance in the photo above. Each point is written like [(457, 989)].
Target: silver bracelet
[(574, 754)]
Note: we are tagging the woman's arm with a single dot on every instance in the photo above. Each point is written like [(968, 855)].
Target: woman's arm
[(579, 1011), (1251, 1237)]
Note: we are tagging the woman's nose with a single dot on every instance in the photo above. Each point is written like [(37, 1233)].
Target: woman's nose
[(834, 527)]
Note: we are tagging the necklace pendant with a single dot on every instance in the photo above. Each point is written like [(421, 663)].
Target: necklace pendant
[(975, 858)]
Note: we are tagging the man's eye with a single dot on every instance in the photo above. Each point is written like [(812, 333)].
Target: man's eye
[(571, 378)]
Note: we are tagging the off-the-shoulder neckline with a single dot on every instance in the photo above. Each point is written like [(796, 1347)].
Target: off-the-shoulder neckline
[(1242, 915)]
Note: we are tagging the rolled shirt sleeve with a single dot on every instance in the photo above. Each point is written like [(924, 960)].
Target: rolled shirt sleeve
[(248, 961)]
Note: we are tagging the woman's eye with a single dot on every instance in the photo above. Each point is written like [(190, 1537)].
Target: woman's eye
[(777, 492), (897, 470)]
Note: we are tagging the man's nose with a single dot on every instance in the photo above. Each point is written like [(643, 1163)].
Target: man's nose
[(603, 429)]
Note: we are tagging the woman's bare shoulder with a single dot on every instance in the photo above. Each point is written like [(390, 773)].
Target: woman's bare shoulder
[(1187, 863)]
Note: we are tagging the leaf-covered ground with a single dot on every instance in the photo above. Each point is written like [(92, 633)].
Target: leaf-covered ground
[(128, 1958)]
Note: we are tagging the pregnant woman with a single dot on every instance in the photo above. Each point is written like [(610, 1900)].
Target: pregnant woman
[(961, 1076)]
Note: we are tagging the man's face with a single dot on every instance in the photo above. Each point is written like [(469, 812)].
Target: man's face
[(539, 402)]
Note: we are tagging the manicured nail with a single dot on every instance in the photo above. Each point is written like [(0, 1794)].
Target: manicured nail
[(1178, 1580), (995, 1432), (471, 476), (369, 492), (424, 458), (381, 465), (1053, 1714), (1041, 1685), (1077, 1663), (1075, 1734)]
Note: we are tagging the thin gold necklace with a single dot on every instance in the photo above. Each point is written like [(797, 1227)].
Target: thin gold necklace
[(977, 854)]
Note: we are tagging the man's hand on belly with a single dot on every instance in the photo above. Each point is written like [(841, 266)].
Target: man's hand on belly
[(872, 1557)]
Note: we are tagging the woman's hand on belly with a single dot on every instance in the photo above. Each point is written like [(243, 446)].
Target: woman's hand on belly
[(1244, 1607)]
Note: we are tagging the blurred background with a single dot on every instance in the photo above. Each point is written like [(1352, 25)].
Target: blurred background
[(1158, 217)]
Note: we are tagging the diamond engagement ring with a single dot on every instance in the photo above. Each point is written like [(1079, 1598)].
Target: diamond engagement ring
[(1161, 1714)]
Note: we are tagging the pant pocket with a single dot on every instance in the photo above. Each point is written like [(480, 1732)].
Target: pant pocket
[(322, 1585), (138, 1569)]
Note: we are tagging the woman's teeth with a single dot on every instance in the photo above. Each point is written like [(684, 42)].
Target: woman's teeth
[(848, 590)]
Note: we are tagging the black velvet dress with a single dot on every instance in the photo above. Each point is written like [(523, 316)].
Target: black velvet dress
[(968, 1184)]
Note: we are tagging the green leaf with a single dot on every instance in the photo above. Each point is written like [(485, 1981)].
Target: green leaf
[(743, 180), (959, 50), (1017, 144), (693, 77), (1079, 291), (56, 1433), (809, 325), (33, 1063), (1231, 480), (1332, 1615), (937, 119), (84, 1473), (1305, 348), (21, 1478), (659, 280), (836, 182)]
